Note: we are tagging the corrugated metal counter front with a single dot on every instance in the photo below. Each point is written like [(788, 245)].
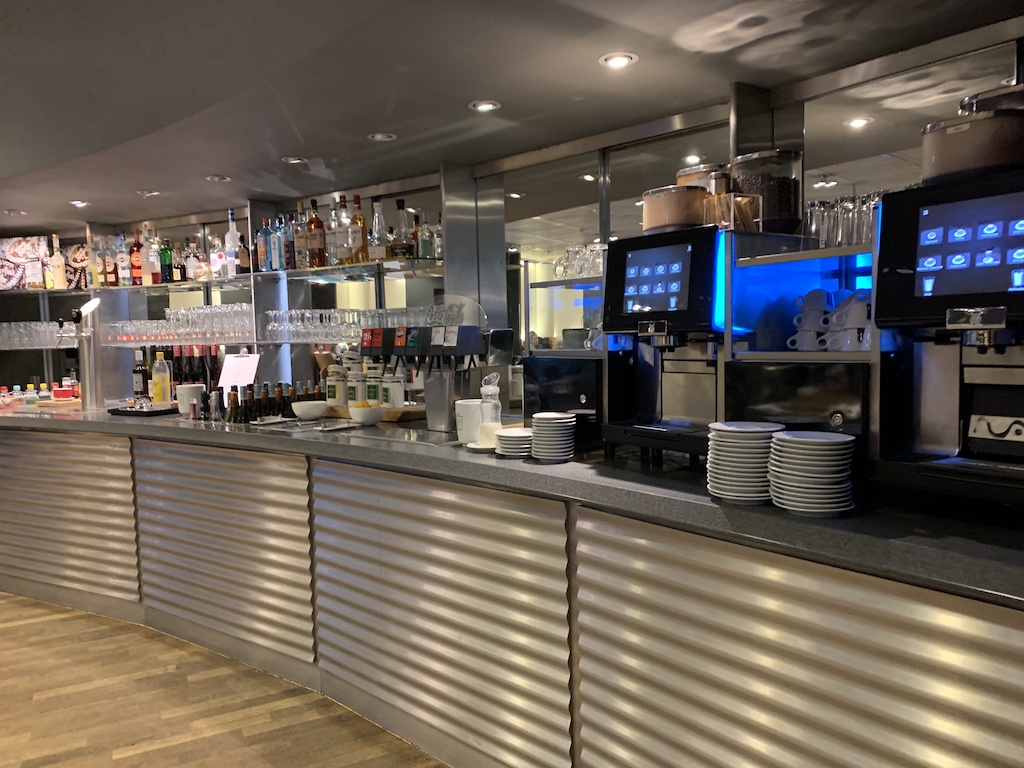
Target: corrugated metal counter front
[(475, 607)]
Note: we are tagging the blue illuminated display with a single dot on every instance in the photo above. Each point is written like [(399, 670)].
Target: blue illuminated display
[(718, 302)]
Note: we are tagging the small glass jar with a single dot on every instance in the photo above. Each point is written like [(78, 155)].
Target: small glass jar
[(373, 387), (490, 415), (356, 388)]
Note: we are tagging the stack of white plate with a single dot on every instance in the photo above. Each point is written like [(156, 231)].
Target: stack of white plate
[(554, 437), (513, 442), (810, 472), (738, 460)]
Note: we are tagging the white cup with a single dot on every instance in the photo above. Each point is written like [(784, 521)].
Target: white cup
[(186, 394), (854, 315), (816, 299), (830, 341), (849, 340), (467, 420), (838, 297), (812, 320), (805, 341)]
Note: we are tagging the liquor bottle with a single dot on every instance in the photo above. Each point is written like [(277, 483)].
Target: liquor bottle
[(424, 240), (166, 262), (214, 365), (244, 257), (191, 260), (135, 259), (140, 377), (34, 277), (300, 393), (97, 275), (278, 407), (265, 407), (234, 417), (344, 255), (161, 380), (316, 238), (124, 262), (299, 237), (202, 367), (232, 240), (58, 267), (249, 411), (275, 245), (379, 248), (403, 246), (177, 365), (188, 370), (331, 228), (288, 241), (152, 273), (288, 412), (263, 245), (357, 233), (110, 261), (218, 258)]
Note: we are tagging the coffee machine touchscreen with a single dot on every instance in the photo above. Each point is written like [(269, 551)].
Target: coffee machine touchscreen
[(971, 247), (657, 279)]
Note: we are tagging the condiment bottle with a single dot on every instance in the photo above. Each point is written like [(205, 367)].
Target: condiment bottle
[(490, 410), (373, 384), (337, 386)]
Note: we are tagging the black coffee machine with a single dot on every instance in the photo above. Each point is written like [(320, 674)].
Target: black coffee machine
[(948, 400)]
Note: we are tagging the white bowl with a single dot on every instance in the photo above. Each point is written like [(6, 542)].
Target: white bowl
[(367, 416), (310, 410)]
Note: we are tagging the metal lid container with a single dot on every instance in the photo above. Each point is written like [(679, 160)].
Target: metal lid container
[(699, 175), (673, 207), (984, 141), (1007, 97), (775, 175)]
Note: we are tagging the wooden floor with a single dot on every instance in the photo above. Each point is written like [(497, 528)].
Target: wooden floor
[(80, 691)]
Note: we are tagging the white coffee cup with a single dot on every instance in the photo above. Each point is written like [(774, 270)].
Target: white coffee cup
[(805, 341), (854, 315), (812, 320), (816, 299), (467, 420), (838, 297), (843, 341), (186, 394), (830, 341)]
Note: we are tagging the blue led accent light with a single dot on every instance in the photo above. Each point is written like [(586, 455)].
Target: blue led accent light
[(863, 282), (718, 302), (863, 260)]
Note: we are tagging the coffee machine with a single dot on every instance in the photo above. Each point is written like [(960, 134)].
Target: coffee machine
[(662, 344), (948, 399)]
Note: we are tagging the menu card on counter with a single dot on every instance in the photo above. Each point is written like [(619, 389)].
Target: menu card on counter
[(238, 371)]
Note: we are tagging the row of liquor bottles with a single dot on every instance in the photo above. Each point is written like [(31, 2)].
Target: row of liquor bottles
[(158, 371), (298, 242)]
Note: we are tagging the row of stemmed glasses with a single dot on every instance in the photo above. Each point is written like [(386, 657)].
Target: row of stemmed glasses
[(218, 324), (29, 335), (327, 326)]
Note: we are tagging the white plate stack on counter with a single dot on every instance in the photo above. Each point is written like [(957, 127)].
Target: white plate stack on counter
[(738, 454), (513, 442), (809, 472), (554, 437)]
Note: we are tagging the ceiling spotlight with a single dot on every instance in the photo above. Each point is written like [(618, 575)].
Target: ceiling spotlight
[(382, 136), (612, 238), (484, 105), (588, 177), (858, 122), (692, 159), (78, 203), (639, 202), (825, 183), (516, 195), (218, 178), (13, 212), (618, 59), (294, 159), (147, 192)]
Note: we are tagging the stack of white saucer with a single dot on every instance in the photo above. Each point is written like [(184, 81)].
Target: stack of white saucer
[(513, 442), (738, 460), (554, 437), (809, 472)]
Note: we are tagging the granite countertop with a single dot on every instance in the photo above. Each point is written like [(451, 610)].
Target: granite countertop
[(984, 561)]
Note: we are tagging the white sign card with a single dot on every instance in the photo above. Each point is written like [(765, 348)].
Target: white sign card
[(238, 371)]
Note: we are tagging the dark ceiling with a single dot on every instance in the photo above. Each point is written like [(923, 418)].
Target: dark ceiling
[(103, 99)]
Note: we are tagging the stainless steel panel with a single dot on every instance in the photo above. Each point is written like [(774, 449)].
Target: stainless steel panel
[(936, 422), (696, 652), (492, 275), (67, 517), (224, 542), (686, 121), (446, 603), (689, 395), (1006, 377)]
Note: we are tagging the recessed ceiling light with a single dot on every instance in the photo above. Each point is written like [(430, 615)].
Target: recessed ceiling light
[(639, 202), (691, 159), (382, 136), (147, 192), (612, 238), (294, 159), (618, 59), (825, 183), (858, 122), (14, 212), (517, 195), (78, 203), (1009, 81), (484, 105), (218, 178), (588, 177)]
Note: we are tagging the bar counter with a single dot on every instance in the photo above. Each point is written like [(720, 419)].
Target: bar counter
[(498, 612)]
